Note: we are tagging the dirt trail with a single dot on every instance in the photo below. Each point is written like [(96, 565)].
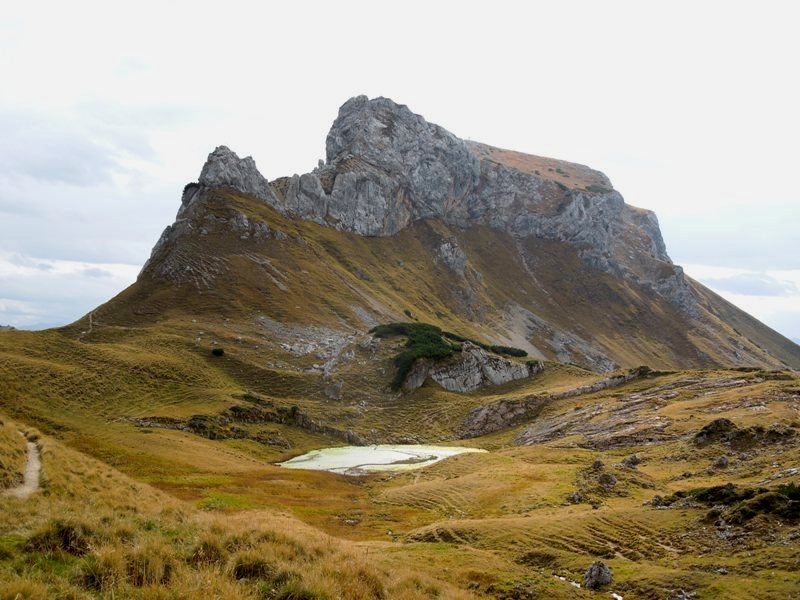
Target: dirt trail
[(33, 469)]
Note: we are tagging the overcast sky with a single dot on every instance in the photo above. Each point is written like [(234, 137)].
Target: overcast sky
[(108, 109)]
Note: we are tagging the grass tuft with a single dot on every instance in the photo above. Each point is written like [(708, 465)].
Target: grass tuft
[(62, 535)]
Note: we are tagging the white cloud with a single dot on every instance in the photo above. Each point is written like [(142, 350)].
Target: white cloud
[(27, 283), (754, 284), (773, 297)]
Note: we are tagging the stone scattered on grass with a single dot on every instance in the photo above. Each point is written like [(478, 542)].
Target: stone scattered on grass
[(597, 575)]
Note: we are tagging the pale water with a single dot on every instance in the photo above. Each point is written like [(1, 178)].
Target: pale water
[(359, 460)]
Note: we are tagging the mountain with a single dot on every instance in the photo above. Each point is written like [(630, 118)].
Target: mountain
[(405, 218)]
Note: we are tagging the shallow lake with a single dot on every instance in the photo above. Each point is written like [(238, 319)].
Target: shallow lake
[(359, 460)]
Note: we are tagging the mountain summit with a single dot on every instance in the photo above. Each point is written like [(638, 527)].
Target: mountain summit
[(404, 217)]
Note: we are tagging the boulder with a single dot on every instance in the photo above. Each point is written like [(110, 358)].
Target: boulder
[(597, 576)]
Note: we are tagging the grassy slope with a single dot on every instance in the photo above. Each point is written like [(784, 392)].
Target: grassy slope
[(491, 522), (327, 278), (93, 532)]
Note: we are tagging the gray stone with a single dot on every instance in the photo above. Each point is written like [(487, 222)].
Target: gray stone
[(597, 576), (720, 463), (631, 461), (607, 480), (453, 256)]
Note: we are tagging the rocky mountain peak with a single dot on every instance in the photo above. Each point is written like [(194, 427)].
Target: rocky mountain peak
[(429, 167), (387, 167), (224, 168)]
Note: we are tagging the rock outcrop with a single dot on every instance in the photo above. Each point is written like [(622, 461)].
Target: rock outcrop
[(472, 369), (225, 168), (597, 576)]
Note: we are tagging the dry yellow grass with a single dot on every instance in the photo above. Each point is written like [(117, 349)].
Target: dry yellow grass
[(572, 175), (12, 456), (476, 525)]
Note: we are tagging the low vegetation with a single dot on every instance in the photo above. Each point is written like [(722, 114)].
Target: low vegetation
[(159, 480), (733, 504), (12, 456)]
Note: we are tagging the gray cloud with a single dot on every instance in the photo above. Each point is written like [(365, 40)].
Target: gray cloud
[(754, 241), (752, 284), (96, 272), (32, 263), (83, 147), (52, 150)]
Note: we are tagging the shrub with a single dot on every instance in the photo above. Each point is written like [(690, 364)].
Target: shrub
[(508, 351), (424, 341), (790, 490), (217, 351)]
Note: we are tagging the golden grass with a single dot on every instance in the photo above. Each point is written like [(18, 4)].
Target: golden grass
[(569, 174), (12, 456)]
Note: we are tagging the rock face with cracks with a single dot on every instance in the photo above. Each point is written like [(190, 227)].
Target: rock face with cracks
[(473, 369)]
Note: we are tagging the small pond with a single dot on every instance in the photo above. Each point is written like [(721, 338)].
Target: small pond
[(359, 460)]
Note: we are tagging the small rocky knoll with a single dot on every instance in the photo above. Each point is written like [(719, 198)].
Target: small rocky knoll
[(509, 412), (472, 369), (632, 419), (245, 421)]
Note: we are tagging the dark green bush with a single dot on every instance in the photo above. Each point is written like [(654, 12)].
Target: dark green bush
[(508, 350), (424, 341), (429, 341)]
